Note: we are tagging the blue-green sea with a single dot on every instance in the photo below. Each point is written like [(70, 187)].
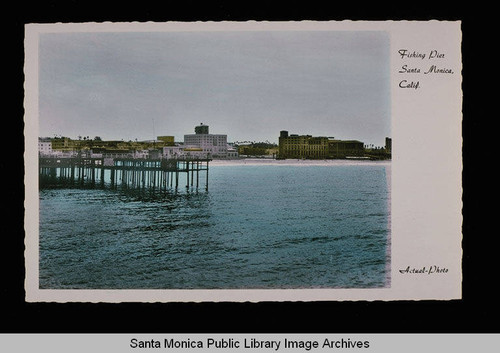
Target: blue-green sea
[(261, 225)]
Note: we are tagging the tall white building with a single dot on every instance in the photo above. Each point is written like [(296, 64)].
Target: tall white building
[(214, 145)]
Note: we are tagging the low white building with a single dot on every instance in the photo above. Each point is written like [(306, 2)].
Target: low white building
[(232, 152), (195, 152)]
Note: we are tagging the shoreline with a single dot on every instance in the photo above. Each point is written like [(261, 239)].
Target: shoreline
[(296, 162)]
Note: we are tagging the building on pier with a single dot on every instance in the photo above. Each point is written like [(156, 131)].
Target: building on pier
[(183, 151), (172, 152)]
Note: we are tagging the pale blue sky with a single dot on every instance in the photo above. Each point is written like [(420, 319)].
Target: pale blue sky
[(248, 85)]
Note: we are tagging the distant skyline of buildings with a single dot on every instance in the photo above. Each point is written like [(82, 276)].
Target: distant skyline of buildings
[(247, 140), (203, 144), (322, 147)]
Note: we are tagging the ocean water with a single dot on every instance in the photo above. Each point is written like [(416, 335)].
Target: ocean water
[(258, 226)]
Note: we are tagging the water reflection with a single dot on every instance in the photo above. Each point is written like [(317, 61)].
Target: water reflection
[(131, 194)]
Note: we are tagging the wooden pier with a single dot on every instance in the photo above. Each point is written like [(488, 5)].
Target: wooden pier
[(133, 173)]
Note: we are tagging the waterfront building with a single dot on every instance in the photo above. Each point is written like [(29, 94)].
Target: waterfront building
[(170, 152), (195, 152), (232, 152), (302, 146), (317, 147), (179, 152), (388, 145), (200, 145), (215, 145), (64, 148), (44, 146), (345, 148)]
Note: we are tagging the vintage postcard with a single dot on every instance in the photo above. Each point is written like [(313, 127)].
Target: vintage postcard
[(243, 161)]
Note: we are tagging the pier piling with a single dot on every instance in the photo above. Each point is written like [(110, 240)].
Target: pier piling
[(155, 174)]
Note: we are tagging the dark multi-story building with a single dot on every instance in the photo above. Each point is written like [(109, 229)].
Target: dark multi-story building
[(388, 145), (311, 147), (345, 148), (302, 146)]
